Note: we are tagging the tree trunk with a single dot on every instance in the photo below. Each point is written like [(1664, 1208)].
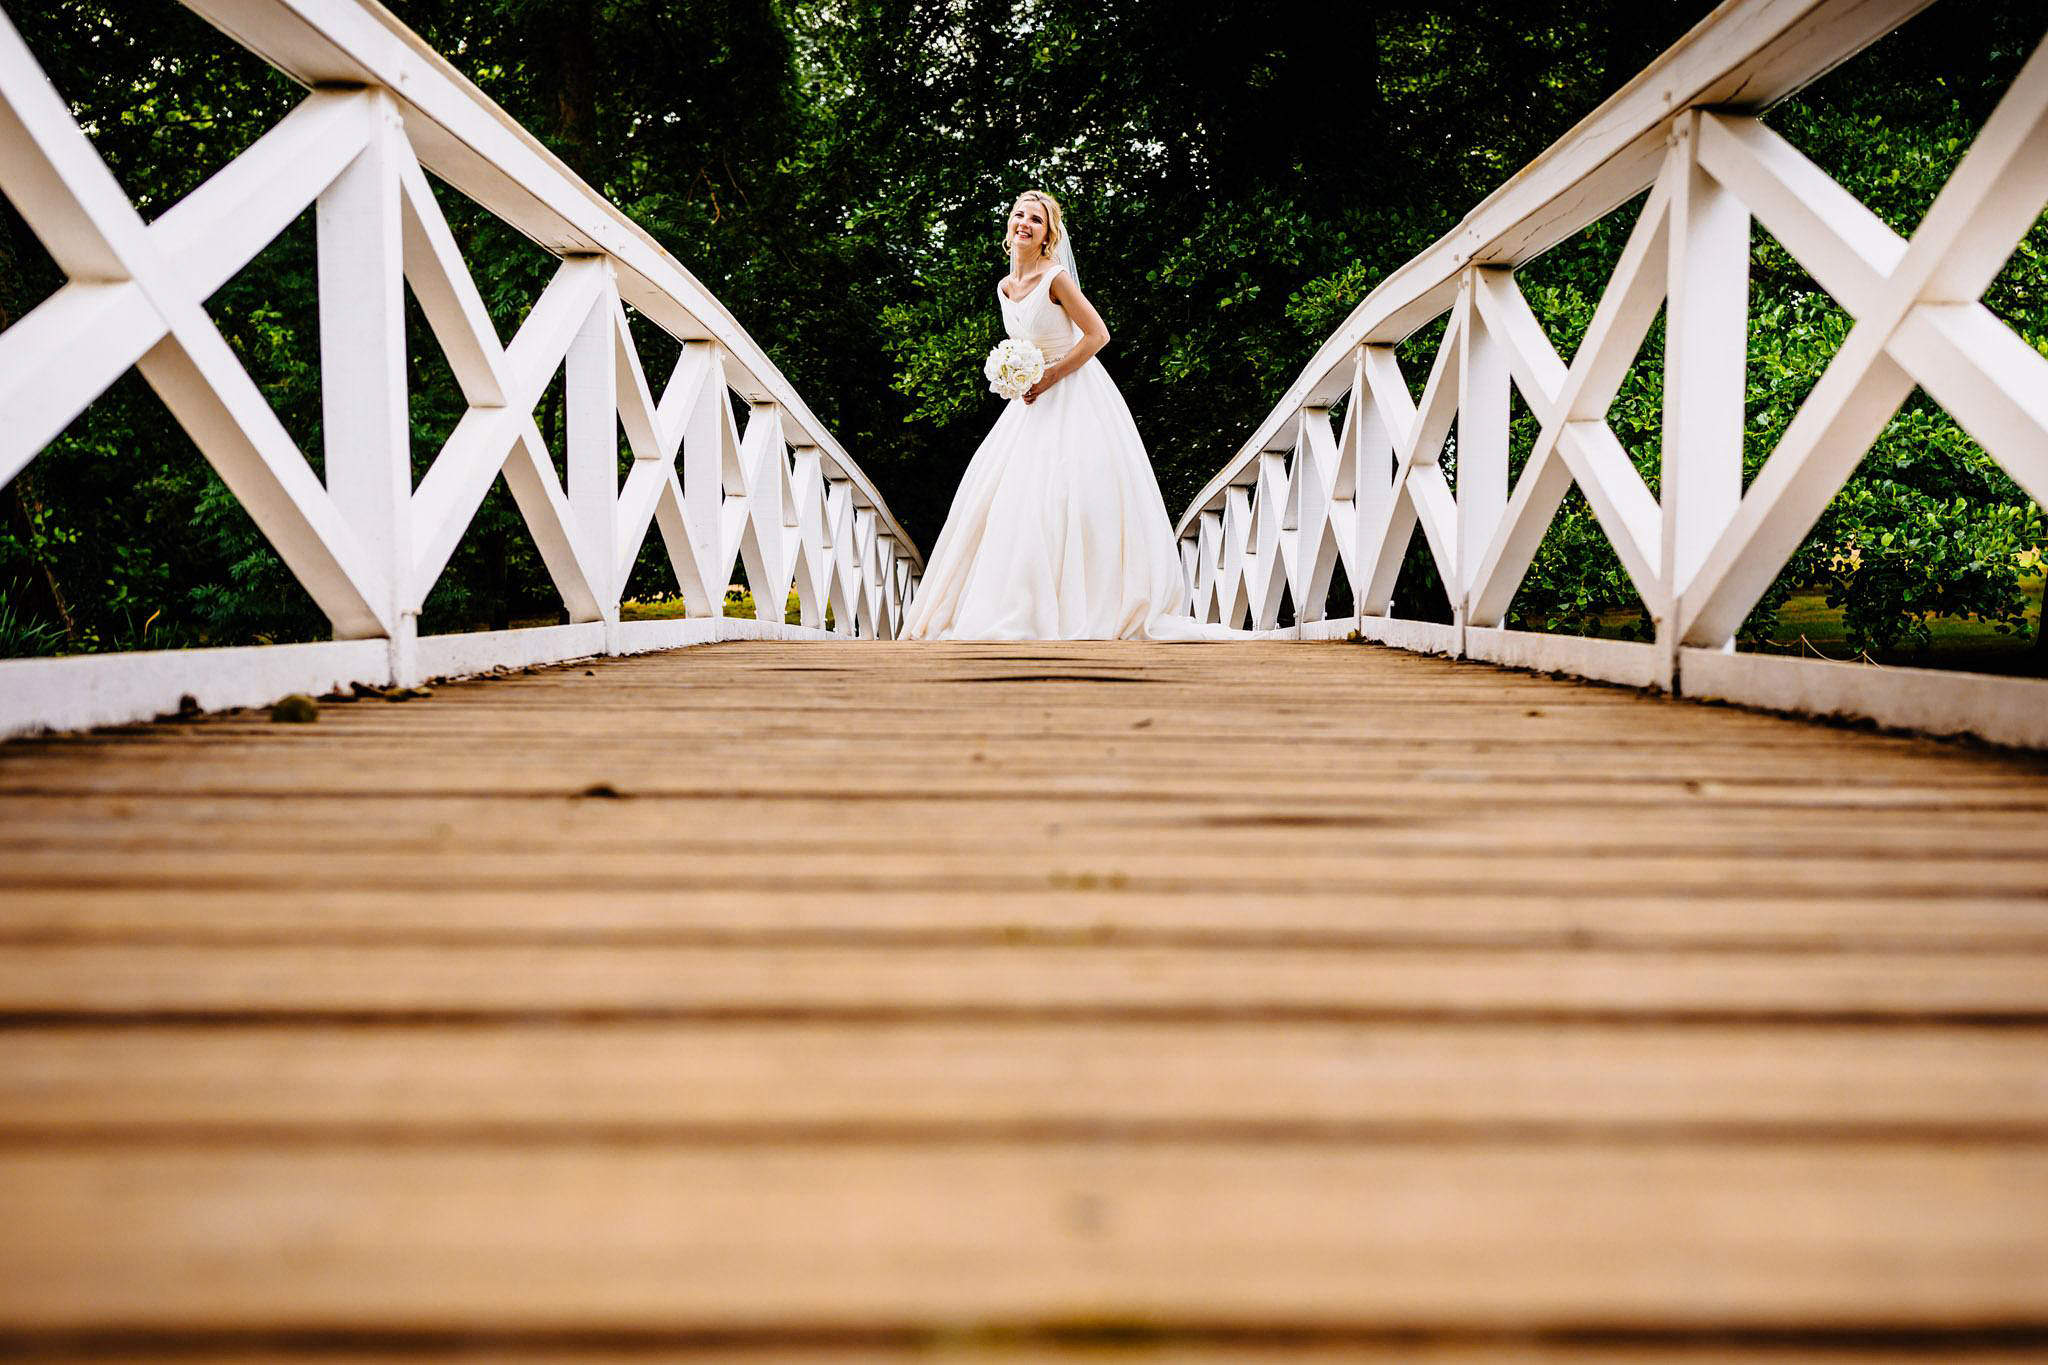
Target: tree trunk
[(575, 48)]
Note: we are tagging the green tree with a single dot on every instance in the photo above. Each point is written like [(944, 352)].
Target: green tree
[(836, 171)]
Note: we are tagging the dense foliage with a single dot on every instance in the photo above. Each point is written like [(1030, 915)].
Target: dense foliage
[(1238, 174)]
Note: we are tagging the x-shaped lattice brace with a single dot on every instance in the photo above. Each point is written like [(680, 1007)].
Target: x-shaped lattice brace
[(1703, 555), (367, 546), (135, 296)]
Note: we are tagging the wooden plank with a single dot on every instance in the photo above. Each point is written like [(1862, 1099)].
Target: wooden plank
[(1084, 905), (1123, 1343), (1605, 867), (1022, 1081), (1188, 1008), (1028, 978), (594, 1238)]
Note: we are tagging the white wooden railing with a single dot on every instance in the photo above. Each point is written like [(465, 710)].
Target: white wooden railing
[(1301, 497), (383, 110)]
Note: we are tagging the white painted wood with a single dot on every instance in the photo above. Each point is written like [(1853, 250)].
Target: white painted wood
[(363, 541), (1969, 361), (645, 637), (702, 595), (1265, 576), (1745, 56), (51, 175), (365, 423), (766, 545), (61, 356), (66, 193), (113, 689), (654, 443), (1845, 247), (1482, 433), (1208, 605), (809, 565), (591, 405), (1939, 701), (466, 140), (842, 586), (1968, 233), (1626, 662), (217, 229), (1989, 380), (867, 565), (1706, 344), (477, 450), (39, 695), (1233, 586), (204, 385), (1424, 637), (571, 564), (454, 656), (1700, 557), (447, 295), (1318, 515)]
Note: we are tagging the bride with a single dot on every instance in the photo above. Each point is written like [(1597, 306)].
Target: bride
[(1058, 531)]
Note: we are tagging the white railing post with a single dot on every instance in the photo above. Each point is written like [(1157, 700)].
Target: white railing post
[(1308, 548), (349, 524), (1208, 566), (1379, 469), (842, 586), (1706, 349), (365, 422), (1482, 442), (813, 536), (591, 411)]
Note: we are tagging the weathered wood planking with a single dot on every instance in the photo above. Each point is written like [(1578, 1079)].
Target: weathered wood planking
[(1495, 1236), (890, 980), (1246, 1002), (1024, 1079)]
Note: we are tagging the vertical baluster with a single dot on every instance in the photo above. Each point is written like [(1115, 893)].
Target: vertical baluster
[(1376, 472), (592, 407), (1209, 605), (842, 588), (1706, 349), (365, 424), (1482, 439), (812, 538)]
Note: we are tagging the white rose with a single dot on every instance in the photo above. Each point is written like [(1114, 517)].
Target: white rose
[(1012, 368)]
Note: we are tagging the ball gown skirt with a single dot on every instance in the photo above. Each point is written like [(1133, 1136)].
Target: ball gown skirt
[(1058, 530)]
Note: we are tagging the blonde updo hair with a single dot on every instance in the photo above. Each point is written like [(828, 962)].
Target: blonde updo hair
[(1054, 228)]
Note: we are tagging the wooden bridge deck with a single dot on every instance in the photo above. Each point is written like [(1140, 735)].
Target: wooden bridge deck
[(1211, 1002)]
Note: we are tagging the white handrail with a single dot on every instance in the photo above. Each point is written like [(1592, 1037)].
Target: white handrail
[(384, 110), (1300, 498), (1746, 55)]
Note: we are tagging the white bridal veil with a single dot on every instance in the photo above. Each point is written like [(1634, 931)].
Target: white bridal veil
[(1063, 254)]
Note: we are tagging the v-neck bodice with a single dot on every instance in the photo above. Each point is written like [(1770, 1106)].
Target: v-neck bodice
[(1038, 318)]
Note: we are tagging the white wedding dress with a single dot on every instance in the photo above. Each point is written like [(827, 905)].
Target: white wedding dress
[(1058, 531)]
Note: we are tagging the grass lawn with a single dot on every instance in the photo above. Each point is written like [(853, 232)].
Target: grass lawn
[(738, 602), (1808, 626)]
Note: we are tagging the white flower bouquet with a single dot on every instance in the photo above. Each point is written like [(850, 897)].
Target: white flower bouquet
[(1013, 367)]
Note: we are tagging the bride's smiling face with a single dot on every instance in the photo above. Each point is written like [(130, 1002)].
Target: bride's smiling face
[(1027, 225)]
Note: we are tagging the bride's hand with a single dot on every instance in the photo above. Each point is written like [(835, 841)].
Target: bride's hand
[(1031, 394)]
